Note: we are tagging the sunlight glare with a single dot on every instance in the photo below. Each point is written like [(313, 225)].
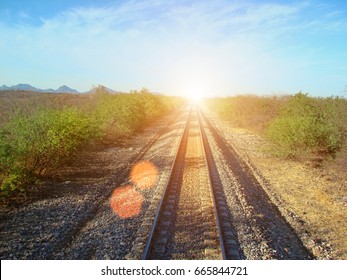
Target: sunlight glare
[(126, 202), (144, 174), (194, 93), (195, 96)]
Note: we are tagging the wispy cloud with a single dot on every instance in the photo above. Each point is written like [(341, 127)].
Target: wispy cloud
[(168, 45)]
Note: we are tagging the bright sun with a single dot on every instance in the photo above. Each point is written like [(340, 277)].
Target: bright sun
[(195, 96), (194, 93)]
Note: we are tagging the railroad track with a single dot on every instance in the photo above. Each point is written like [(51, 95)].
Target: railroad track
[(191, 220), (195, 211)]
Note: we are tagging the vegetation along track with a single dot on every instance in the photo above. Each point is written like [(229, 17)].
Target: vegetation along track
[(191, 220)]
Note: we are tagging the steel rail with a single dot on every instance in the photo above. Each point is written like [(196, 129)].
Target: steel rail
[(208, 169), (160, 206)]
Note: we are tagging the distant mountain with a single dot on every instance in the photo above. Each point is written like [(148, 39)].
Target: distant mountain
[(111, 90), (49, 90), (62, 89), (3, 87), (66, 89), (94, 89), (26, 87)]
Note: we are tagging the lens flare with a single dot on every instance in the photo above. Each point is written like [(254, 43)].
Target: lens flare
[(144, 174), (126, 202)]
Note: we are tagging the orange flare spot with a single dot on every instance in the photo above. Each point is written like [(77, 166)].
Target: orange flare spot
[(126, 202), (144, 174)]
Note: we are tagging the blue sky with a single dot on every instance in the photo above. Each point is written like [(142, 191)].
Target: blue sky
[(215, 47)]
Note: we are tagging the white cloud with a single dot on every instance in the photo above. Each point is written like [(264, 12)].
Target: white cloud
[(226, 46)]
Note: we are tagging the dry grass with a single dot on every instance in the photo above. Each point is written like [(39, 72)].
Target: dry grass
[(26, 100), (314, 195), (318, 196)]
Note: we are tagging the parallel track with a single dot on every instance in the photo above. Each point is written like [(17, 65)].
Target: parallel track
[(191, 221)]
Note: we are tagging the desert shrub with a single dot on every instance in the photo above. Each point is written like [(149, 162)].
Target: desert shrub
[(117, 115), (121, 115), (42, 136), (297, 124), (31, 143), (308, 124), (247, 111), (154, 105)]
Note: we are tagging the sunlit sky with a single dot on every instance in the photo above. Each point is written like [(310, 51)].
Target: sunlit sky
[(211, 47)]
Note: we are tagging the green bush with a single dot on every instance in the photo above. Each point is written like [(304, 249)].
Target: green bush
[(30, 144), (247, 111), (297, 124), (123, 114), (308, 124), (117, 115), (39, 138)]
